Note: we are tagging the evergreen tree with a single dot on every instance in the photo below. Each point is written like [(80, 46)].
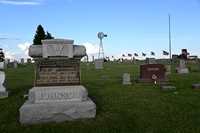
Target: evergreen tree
[(40, 34), (48, 36)]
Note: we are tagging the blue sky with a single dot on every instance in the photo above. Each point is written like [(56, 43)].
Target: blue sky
[(132, 26)]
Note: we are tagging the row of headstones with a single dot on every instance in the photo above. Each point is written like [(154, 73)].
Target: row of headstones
[(180, 69)]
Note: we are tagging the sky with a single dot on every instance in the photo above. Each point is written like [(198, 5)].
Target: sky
[(132, 26)]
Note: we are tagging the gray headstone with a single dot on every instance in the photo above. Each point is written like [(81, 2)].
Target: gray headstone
[(174, 58), (22, 61), (199, 67), (182, 63), (15, 64), (3, 92), (168, 68), (2, 65), (150, 61), (57, 95), (98, 64), (167, 87), (183, 70), (126, 79)]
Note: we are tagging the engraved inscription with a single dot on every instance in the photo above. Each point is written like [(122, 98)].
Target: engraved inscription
[(53, 72), (57, 49), (152, 69), (53, 96)]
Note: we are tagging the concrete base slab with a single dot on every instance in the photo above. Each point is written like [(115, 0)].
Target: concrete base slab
[(4, 94), (167, 88), (57, 112), (146, 80)]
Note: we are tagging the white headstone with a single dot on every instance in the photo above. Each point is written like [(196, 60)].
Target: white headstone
[(126, 79)]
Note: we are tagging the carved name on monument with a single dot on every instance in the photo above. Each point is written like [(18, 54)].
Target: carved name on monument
[(60, 72)]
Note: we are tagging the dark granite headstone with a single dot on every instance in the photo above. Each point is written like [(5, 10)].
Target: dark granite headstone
[(148, 70)]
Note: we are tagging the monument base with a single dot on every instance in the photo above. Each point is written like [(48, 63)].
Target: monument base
[(183, 70), (57, 112), (148, 80), (126, 83), (4, 94)]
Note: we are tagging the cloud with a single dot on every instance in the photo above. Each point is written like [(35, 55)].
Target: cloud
[(23, 53), (91, 49), (15, 38), (24, 47), (36, 2)]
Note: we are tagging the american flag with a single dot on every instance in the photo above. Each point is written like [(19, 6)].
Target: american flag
[(185, 53), (152, 53), (165, 53), (130, 55), (143, 54), (123, 55), (135, 54), (107, 57), (112, 56)]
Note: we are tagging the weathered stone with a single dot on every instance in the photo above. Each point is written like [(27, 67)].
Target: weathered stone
[(4, 94), (2, 65), (182, 63), (150, 61), (182, 70), (57, 112), (174, 58), (167, 87), (196, 86), (98, 64), (126, 79), (57, 94), (57, 48), (36, 51)]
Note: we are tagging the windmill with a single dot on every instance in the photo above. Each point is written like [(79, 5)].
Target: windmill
[(101, 36)]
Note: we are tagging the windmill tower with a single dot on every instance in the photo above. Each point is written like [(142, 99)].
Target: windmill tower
[(101, 52)]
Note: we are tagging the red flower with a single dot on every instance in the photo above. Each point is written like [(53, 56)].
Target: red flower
[(165, 69), (180, 67), (27, 92)]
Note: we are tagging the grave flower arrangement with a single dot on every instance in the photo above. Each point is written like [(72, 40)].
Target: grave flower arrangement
[(154, 77)]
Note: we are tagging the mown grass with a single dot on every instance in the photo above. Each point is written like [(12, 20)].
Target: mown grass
[(120, 108)]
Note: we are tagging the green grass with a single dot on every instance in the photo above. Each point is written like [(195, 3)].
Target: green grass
[(120, 108)]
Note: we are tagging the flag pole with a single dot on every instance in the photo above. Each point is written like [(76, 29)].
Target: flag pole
[(169, 40)]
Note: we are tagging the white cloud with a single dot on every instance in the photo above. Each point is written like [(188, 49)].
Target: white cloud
[(36, 2), (23, 53), (91, 49), (24, 46)]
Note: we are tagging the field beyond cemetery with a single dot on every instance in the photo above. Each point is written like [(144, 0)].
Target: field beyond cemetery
[(120, 108)]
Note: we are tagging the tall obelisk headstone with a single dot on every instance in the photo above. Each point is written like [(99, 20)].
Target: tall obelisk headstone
[(57, 95)]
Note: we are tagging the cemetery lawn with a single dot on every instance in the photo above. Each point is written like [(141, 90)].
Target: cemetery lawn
[(120, 108)]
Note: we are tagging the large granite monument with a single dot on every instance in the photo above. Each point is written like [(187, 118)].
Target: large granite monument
[(57, 95)]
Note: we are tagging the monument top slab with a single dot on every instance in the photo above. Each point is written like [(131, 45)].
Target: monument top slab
[(57, 41)]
